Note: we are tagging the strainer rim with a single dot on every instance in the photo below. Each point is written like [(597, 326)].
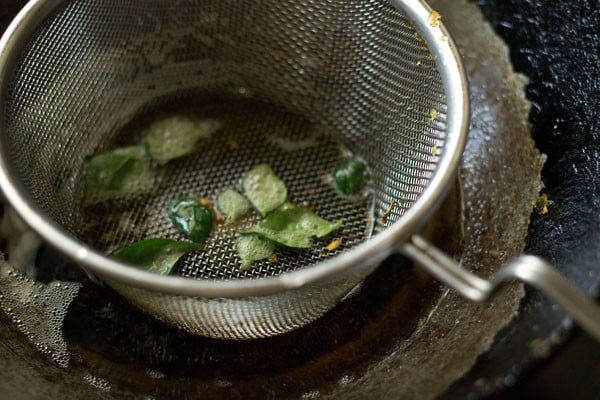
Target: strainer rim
[(366, 254)]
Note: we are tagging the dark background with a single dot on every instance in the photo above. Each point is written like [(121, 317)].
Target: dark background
[(571, 372), (557, 45)]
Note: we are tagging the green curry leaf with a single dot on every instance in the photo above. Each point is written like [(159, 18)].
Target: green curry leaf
[(348, 177), (294, 227), (252, 247), (232, 204), (123, 170), (191, 218), (264, 189), (156, 255), (176, 136)]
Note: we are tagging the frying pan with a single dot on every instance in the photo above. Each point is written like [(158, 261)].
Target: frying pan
[(556, 44), (569, 168)]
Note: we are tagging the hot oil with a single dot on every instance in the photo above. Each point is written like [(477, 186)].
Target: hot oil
[(303, 154), (37, 310), (122, 346), (112, 345), (119, 345)]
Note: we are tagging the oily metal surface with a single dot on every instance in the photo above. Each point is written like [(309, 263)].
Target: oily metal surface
[(403, 336)]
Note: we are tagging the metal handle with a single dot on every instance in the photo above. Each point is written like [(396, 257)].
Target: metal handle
[(529, 269)]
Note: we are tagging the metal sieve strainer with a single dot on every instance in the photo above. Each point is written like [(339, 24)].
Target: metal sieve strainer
[(293, 82)]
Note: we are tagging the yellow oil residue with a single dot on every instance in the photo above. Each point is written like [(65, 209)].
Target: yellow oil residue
[(433, 113), (206, 202), (334, 245), (233, 144), (542, 204), (434, 19)]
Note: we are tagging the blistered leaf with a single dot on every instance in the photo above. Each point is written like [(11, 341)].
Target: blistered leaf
[(176, 136), (251, 247), (156, 255), (232, 204), (295, 227), (120, 171), (264, 189)]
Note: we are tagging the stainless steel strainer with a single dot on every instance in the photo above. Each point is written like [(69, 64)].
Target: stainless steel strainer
[(296, 84)]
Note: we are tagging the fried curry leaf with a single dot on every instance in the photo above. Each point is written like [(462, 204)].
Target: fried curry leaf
[(191, 218), (252, 247), (349, 177), (232, 204), (294, 227), (264, 189), (156, 255), (176, 136), (123, 170)]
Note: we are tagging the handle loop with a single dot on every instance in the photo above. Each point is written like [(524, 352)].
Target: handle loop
[(526, 268)]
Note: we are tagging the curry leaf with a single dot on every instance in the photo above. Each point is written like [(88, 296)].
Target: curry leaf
[(252, 247), (191, 218), (123, 170), (176, 136), (264, 189), (232, 204), (156, 255), (294, 227), (348, 177)]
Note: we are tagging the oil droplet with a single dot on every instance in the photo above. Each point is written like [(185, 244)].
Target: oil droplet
[(37, 310)]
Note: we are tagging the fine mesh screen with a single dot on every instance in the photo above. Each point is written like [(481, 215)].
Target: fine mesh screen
[(297, 84)]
